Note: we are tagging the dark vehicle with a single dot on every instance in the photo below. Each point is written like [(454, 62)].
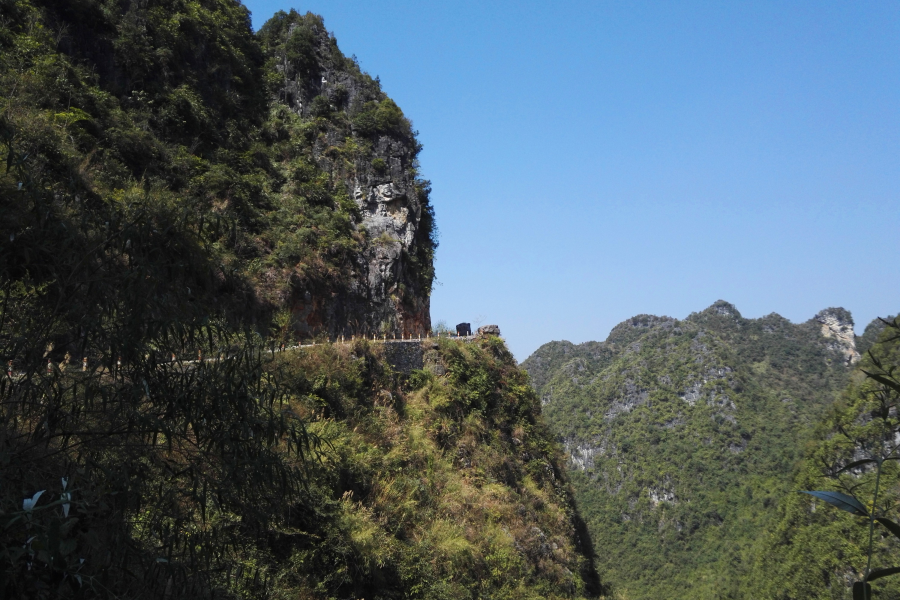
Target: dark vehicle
[(464, 329)]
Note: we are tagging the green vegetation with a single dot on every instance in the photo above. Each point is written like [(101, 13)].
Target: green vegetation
[(175, 190), (813, 551), (447, 488), (316, 472), (166, 106), (343, 130), (683, 436), (159, 208)]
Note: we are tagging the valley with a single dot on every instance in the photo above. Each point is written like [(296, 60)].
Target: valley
[(683, 437)]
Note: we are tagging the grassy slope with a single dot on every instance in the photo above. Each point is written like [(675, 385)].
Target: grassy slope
[(314, 473), (688, 431), (449, 487)]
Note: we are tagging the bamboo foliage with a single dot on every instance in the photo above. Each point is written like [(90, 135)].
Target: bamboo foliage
[(170, 466)]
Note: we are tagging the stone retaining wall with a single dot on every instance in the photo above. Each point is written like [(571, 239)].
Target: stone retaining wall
[(404, 356)]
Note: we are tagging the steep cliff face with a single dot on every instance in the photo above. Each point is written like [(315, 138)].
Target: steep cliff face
[(366, 146), (292, 169), (681, 433)]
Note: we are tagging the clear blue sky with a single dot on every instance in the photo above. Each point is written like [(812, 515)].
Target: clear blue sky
[(596, 160)]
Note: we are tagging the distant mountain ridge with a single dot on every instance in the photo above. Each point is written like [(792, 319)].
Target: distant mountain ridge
[(682, 433)]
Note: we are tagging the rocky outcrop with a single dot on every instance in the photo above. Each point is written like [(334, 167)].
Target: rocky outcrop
[(581, 454), (489, 330), (837, 325), (723, 309), (658, 495), (368, 148)]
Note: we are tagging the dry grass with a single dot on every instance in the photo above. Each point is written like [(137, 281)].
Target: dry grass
[(454, 475)]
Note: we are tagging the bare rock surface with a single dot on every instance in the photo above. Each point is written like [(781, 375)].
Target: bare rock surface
[(367, 147), (489, 330), (837, 325)]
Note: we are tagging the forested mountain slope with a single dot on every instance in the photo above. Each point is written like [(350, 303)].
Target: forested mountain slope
[(180, 197), (683, 434), (812, 550)]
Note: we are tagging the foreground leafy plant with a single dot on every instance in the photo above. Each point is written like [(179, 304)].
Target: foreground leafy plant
[(881, 448)]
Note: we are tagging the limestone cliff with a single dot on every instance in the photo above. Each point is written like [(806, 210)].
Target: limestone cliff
[(837, 327), (363, 142)]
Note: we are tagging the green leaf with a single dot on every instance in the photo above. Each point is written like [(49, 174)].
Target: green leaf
[(879, 573), (842, 501), (66, 547), (890, 525), (862, 591), (889, 382), (12, 521), (857, 463)]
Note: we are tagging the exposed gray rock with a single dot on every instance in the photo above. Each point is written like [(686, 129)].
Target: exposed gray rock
[(721, 401), (388, 293), (489, 330), (737, 448), (581, 454), (837, 326), (724, 309), (632, 396), (658, 495), (692, 393)]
